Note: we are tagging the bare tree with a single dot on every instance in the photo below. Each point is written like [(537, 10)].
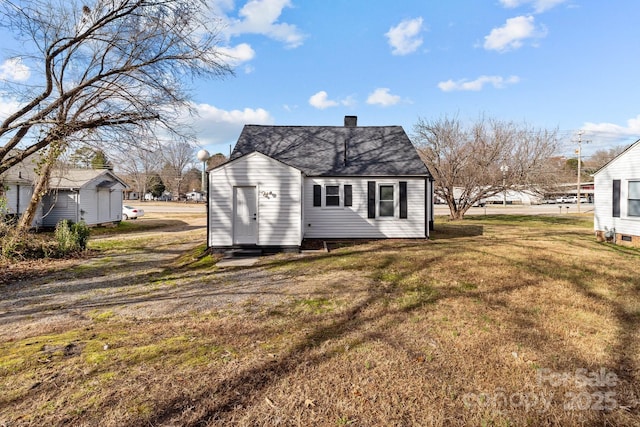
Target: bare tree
[(138, 163), (472, 163), (177, 155), (601, 157), (107, 68)]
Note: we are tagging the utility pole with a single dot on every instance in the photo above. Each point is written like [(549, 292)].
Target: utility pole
[(579, 152)]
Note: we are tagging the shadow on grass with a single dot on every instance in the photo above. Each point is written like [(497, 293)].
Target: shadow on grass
[(456, 230)]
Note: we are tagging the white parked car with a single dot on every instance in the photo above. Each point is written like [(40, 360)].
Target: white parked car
[(571, 199), (129, 212)]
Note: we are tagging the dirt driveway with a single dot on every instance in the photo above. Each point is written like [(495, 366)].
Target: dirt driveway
[(137, 278)]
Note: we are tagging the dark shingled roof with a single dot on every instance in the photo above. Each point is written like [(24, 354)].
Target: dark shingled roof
[(320, 150)]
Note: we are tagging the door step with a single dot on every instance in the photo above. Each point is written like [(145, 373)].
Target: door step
[(239, 253)]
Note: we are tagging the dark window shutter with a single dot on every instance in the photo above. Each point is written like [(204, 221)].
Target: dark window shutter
[(317, 195), (371, 199), (403, 199), (616, 198), (348, 198)]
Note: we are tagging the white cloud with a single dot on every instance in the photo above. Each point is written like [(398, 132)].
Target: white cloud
[(478, 84), (261, 17), (539, 6), (513, 33), (8, 106), (320, 100), (215, 126), (14, 69), (405, 38), (381, 96), (238, 54), (612, 130)]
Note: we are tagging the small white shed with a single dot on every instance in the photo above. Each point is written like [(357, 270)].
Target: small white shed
[(284, 184), (617, 198), (93, 196)]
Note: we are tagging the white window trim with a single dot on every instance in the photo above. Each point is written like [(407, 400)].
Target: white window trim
[(624, 199), (323, 194)]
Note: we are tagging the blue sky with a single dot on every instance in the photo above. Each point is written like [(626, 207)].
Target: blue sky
[(566, 64)]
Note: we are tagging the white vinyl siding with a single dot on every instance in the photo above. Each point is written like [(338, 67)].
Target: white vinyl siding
[(625, 168), (278, 188), (58, 206), (352, 222)]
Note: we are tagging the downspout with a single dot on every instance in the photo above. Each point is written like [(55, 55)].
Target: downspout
[(77, 197), (431, 204)]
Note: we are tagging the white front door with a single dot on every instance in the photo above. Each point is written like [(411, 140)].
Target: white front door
[(245, 222)]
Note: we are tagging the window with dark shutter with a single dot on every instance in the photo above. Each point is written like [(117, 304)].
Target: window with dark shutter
[(403, 199), (371, 199), (317, 195), (616, 198), (348, 197), (387, 202)]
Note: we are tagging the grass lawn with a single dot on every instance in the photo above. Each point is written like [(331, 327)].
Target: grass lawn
[(497, 320)]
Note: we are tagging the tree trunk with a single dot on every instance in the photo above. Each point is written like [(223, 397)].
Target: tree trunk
[(41, 187)]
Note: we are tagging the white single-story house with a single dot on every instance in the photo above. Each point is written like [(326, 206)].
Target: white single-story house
[(196, 196), (283, 184), (90, 195), (617, 198)]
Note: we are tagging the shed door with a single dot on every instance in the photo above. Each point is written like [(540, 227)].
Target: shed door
[(104, 205), (245, 222)]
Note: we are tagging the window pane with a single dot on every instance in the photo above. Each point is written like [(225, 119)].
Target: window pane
[(634, 189), (332, 190), (386, 208), (333, 201), (634, 207), (386, 192)]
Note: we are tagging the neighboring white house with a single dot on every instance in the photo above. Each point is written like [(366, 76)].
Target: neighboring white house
[(196, 196), (90, 195), (283, 184), (93, 196), (617, 198)]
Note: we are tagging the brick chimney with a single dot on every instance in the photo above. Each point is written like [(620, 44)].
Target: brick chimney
[(350, 121)]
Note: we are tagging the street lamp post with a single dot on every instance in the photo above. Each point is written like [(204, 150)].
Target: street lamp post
[(203, 156), (504, 169)]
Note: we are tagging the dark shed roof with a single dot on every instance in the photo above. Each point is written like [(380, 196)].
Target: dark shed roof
[(335, 150)]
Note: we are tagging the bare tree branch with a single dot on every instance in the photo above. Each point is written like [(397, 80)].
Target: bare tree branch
[(106, 64)]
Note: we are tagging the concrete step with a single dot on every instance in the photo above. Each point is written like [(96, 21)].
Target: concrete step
[(242, 252)]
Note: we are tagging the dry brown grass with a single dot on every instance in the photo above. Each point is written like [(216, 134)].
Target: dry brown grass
[(495, 321)]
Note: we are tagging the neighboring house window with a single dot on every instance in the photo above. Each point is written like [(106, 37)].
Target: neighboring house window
[(332, 195), (387, 204), (633, 201)]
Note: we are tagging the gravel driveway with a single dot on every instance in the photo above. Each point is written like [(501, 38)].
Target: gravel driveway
[(136, 282)]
